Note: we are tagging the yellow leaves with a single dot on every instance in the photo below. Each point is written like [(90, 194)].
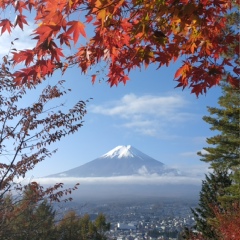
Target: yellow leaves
[(101, 10), (102, 15), (176, 19), (70, 3), (106, 9), (98, 4)]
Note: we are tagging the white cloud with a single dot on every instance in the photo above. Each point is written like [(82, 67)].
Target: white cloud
[(148, 114), (128, 186), (193, 154), (193, 171), (133, 106), (140, 123), (24, 39), (204, 151), (139, 180), (153, 132)]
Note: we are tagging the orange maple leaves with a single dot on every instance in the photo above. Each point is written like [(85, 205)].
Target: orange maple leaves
[(6, 25), (76, 28), (125, 36)]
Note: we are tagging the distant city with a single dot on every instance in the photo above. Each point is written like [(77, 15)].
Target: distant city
[(138, 219), (141, 197)]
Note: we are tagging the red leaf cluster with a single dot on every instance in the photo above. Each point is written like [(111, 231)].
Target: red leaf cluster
[(228, 223), (127, 34)]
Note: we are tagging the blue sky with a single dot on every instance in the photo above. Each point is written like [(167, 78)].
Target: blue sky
[(147, 113)]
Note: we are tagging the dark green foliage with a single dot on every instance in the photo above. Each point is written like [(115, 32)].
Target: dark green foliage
[(68, 227), (224, 150), (221, 189), (185, 234), (31, 218), (6, 208), (82, 228), (213, 187), (102, 226)]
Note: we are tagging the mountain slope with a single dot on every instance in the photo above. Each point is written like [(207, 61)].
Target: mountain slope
[(120, 161)]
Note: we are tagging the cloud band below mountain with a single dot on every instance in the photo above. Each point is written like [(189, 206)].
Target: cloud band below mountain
[(128, 180)]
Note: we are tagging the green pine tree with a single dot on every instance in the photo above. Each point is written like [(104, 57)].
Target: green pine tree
[(69, 228), (31, 219), (44, 217), (101, 226), (213, 187), (221, 188), (6, 209), (223, 152), (74, 227)]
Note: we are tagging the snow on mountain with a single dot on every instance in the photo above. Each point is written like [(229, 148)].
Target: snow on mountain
[(119, 152), (121, 161), (125, 152)]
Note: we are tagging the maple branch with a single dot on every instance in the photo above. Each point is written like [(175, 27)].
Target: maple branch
[(10, 166), (4, 122)]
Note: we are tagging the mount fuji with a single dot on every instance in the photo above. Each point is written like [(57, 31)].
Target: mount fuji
[(120, 161)]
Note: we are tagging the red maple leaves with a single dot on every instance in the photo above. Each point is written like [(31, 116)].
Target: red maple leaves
[(6, 26), (128, 34), (76, 28)]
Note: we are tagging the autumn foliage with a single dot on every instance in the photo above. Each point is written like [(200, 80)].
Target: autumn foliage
[(29, 127), (124, 35), (227, 223), (32, 218)]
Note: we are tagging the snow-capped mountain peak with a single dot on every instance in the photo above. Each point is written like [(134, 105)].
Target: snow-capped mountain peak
[(119, 152), (120, 161)]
